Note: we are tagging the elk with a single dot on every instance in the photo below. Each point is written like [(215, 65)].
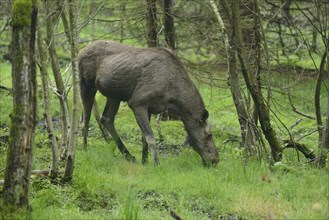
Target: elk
[(150, 80)]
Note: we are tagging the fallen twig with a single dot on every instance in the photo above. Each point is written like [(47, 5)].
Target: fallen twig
[(174, 215), (5, 88), (37, 173)]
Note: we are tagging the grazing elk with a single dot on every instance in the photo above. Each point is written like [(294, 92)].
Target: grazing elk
[(150, 80)]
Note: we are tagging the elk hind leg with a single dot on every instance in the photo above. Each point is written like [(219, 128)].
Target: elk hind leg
[(110, 110), (87, 96)]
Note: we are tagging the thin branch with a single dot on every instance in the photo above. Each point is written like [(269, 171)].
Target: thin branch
[(6, 88), (301, 10), (5, 26), (86, 22), (36, 173), (296, 123), (67, 80), (308, 134), (294, 109)]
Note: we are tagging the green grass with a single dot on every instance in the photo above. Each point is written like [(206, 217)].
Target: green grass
[(106, 186)]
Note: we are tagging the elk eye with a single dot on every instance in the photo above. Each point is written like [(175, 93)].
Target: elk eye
[(209, 136)]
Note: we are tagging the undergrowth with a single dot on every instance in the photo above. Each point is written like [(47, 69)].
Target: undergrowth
[(106, 186)]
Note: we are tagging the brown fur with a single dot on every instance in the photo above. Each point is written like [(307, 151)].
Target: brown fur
[(150, 80)]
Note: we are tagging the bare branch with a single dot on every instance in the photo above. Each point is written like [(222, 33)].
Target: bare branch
[(294, 109), (86, 22)]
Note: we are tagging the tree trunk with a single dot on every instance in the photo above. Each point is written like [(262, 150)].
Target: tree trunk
[(122, 23), (151, 23), (169, 33), (251, 42), (60, 88), (61, 9), (317, 98), (325, 134), (73, 14), (251, 82), (324, 148), (24, 116), (254, 89), (46, 104), (245, 121), (168, 22), (323, 141)]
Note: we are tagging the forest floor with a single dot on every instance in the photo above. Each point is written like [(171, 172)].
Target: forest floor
[(106, 186)]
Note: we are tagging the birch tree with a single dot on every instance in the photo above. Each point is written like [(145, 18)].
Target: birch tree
[(46, 105), (73, 15), (61, 92)]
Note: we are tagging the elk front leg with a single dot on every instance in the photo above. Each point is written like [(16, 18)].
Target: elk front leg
[(142, 118), (145, 150), (145, 146), (110, 110)]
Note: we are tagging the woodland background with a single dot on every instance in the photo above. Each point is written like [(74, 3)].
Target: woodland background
[(261, 67)]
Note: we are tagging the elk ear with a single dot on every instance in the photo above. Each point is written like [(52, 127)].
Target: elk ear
[(204, 116)]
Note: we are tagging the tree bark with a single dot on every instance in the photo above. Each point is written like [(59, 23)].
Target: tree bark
[(317, 104), (151, 23), (325, 135), (252, 85), (169, 33), (251, 82), (75, 100), (46, 104), (324, 143), (168, 22), (302, 148), (251, 42), (245, 121), (24, 116), (60, 88), (122, 23), (61, 6)]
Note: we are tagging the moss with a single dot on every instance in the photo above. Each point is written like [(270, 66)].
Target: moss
[(9, 211), (22, 12)]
